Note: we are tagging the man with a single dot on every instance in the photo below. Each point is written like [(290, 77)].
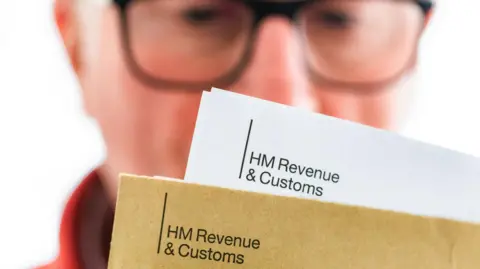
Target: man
[(142, 66)]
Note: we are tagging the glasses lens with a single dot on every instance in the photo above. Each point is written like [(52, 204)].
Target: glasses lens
[(360, 41), (188, 40)]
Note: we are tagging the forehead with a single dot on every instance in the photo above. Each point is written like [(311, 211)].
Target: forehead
[(106, 2), (103, 3), (97, 2)]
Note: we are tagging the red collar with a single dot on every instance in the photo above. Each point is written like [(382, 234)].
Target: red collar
[(68, 255)]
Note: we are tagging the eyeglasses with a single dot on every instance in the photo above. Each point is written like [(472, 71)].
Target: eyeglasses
[(197, 44)]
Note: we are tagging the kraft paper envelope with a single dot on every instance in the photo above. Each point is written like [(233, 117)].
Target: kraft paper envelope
[(172, 224)]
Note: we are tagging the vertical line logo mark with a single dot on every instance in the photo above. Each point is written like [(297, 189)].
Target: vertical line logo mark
[(161, 225), (246, 147)]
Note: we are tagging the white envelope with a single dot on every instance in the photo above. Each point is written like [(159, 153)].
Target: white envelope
[(292, 152)]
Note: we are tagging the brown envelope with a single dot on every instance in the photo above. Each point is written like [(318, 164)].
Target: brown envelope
[(168, 224)]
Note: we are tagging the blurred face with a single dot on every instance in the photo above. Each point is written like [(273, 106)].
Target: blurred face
[(143, 67)]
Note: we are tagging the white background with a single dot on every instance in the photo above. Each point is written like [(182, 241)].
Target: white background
[(47, 144)]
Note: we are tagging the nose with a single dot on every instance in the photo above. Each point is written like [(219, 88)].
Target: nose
[(276, 71)]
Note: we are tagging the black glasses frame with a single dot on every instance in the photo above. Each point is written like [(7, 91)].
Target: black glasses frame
[(261, 11)]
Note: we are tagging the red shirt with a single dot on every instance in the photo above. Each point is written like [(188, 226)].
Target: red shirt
[(74, 229)]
